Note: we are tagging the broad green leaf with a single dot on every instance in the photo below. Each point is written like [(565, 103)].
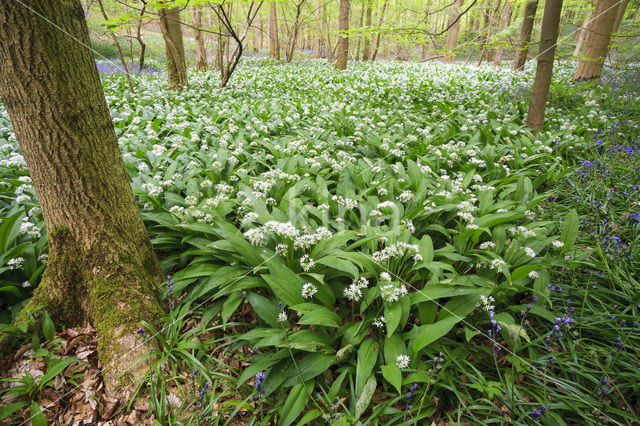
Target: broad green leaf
[(364, 399), (367, 358), (48, 329), (393, 375), (295, 403), (570, 228)]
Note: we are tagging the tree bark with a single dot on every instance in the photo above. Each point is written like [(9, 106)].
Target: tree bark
[(596, 47), (117, 44), (201, 52), (101, 264), (172, 35), (621, 10), (343, 40), (295, 30), (525, 35), (362, 13), (366, 46), (583, 33), (376, 46), (143, 46), (506, 12), (452, 34), (317, 49), (544, 70), (274, 42)]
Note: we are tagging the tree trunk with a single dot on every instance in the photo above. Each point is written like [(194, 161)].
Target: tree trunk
[(596, 47), (544, 70), (172, 35), (452, 34), (621, 10), (201, 52), (362, 12), (525, 35), (376, 47), (117, 43), (101, 264), (295, 30), (274, 42), (317, 49), (143, 46), (493, 30), (366, 46), (583, 32), (497, 61), (343, 40)]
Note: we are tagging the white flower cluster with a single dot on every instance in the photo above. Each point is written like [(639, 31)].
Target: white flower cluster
[(398, 250), (354, 291)]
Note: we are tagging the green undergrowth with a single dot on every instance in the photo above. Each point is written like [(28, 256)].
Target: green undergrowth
[(387, 245)]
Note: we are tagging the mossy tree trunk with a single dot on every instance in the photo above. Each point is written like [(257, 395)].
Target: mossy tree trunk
[(525, 35), (101, 264), (544, 69), (343, 41), (596, 47), (172, 35)]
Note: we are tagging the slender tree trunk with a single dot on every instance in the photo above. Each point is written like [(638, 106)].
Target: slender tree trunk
[(544, 70), (143, 46), (256, 38), (117, 44), (201, 52), (172, 34), (376, 47), (621, 10), (295, 30), (274, 42), (101, 265), (506, 12), (525, 35), (343, 41), (362, 12), (493, 29), (452, 34), (366, 45), (583, 32), (317, 49), (596, 47)]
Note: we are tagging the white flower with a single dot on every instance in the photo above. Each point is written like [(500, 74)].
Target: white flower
[(486, 245), (385, 276), (281, 249), (308, 290), (306, 263), (282, 316), (402, 361), (380, 322), (15, 263), (533, 275), (487, 302), (530, 252), (26, 284), (557, 244), (497, 264)]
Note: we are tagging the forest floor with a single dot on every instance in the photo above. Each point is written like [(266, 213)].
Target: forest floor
[(388, 244)]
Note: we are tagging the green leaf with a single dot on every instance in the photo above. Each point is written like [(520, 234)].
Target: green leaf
[(368, 390), (340, 265), (37, 417), (48, 329), (230, 305), (367, 358), (266, 309), (310, 366), (8, 410), (392, 315), (54, 370), (570, 228), (284, 282), (295, 403), (393, 375), (313, 314)]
